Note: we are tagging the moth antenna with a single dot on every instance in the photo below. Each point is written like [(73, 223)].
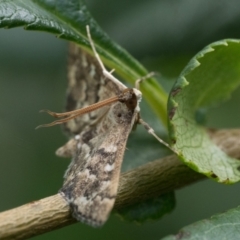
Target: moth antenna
[(54, 114), (151, 131), (75, 113), (84, 110), (106, 73), (149, 75), (60, 121)]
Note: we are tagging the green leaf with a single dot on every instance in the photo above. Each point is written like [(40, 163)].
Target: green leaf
[(222, 226), (68, 19), (209, 78), (152, 209)]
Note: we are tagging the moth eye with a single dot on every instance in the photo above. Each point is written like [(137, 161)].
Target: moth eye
[(119, 115)]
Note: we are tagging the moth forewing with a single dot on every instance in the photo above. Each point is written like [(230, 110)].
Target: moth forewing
[(91, 181), (86, 85)]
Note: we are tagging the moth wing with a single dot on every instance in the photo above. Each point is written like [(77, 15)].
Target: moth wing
[(98, 140), (86, 86), (91, 180)]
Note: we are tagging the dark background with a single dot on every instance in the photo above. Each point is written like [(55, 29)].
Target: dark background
[(163, 35)]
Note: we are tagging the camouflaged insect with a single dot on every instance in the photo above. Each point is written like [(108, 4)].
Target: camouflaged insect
[(98, 138)]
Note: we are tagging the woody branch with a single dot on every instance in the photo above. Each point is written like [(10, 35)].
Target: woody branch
[(150, 180)]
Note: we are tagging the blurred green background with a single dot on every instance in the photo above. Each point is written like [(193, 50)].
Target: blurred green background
[(163, 35)]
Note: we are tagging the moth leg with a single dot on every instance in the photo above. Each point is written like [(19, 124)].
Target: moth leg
[(149, 75), (106, 73), (151, 131)]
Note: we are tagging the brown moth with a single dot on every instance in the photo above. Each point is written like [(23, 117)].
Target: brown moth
[(97, 148), (108, 112)]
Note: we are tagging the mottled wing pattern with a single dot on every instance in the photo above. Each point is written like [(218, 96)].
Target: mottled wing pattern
[(86, 85), (98, 143)]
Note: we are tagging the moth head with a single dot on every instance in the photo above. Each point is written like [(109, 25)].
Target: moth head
[(131, 97), (138, 94)]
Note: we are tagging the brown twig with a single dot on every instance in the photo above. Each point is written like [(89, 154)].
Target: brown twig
[(147, 181)]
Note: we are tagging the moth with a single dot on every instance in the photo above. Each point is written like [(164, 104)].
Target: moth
[(108, 110)]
